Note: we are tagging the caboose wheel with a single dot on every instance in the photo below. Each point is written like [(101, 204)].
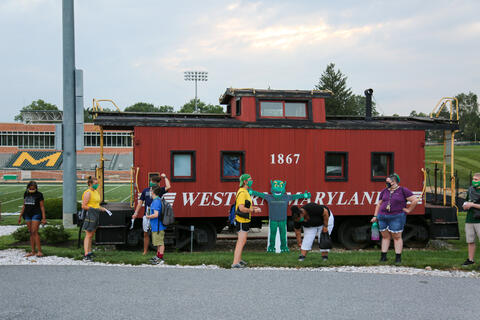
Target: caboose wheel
[(205, 236), (353, 234), (415, 234)]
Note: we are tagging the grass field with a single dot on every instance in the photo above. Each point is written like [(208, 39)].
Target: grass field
[(448, 258), (11, 195), (466, 161)]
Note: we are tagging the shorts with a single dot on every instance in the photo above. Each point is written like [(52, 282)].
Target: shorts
[(309, 234), (158, 238), (35, 217), (470, 230), (394, 223), (146, 224), (91, 219), (242, 226)]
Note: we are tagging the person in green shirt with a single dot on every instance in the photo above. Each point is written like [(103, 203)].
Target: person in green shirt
[(472, 222)]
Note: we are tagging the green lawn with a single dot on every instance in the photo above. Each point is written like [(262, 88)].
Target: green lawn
[(447, 259), (11, 195), (466, 161)]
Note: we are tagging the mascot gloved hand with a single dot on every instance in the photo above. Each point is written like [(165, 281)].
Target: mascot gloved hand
[(277, 211)]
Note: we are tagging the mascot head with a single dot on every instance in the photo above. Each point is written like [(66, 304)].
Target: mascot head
[(278, 188)]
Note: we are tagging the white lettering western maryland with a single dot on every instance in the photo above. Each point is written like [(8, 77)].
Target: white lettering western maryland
[(329, 198)]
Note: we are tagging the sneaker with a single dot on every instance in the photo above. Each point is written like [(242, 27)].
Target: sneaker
[(157, 260), (468, 262), (383, 258), (398, 260), (243, 263), (237, 266), (301, 258), (324, 258), (87, 258)]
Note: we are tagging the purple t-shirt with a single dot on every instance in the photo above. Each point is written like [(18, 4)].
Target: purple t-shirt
[(397, 200)]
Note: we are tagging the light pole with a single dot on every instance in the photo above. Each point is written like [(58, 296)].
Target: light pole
[(196, 76)]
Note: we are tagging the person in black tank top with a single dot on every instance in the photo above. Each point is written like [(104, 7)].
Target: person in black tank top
[(314, 219), (33, 212)]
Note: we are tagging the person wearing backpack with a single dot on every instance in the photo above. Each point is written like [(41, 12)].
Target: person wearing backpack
[(146, 200), (158, 229), (244, 210)]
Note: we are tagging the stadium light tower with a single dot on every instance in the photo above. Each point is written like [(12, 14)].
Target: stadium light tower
[(196, 76)]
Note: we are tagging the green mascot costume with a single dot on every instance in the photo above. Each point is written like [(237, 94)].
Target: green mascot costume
[(277, 211)]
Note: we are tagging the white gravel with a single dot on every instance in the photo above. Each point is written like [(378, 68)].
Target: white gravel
[(6, 230), (17, 257)]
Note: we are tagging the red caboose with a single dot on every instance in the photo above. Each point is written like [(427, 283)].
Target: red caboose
[(285, 135)]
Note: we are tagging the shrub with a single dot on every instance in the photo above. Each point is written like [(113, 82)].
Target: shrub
[(53, 234), (21, 234), (54, 208)]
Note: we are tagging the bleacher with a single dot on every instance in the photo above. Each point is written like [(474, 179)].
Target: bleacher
[(5, 158), (112, 161), (84, 161)]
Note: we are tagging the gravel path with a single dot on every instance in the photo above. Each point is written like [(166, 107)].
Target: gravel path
[(17, 257), (6, 230)]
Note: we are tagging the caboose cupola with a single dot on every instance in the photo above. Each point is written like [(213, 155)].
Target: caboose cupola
[(266, 105)]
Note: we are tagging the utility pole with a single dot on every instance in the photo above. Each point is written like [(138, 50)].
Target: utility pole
[(69, 128)]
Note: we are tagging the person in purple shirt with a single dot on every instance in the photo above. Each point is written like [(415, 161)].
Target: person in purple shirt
[(391, 214)]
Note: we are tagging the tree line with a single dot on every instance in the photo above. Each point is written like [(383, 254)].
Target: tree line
[(343, 102)]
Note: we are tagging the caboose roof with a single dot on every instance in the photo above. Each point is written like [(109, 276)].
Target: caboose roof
[(129, 120), (270, 93)]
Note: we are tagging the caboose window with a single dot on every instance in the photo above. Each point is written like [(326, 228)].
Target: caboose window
[(182, 165), (283, 109), (336, 166), (382, 165), (271, 109), (295, 109), (232, 163)]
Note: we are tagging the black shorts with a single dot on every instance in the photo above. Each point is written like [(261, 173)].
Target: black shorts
[(242, 226)]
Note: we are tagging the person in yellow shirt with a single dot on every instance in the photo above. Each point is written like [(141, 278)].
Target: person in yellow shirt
[(244, 209), (91, 204)]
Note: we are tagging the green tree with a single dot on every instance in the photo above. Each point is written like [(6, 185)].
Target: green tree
[(202, 107), (38, 105), (165, 109), (141, 107), (148, 107), (469, 116), (343, 101), (87, 117)]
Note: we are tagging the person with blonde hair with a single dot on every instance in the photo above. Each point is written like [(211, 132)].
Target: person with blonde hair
[(91, 205)]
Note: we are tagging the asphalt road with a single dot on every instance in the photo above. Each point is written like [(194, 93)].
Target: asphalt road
[(91, 292)]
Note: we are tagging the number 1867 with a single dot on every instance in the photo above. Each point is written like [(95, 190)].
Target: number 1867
[(280, 158)]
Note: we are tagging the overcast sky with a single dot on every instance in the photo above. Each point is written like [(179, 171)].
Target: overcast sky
[(410, 52)]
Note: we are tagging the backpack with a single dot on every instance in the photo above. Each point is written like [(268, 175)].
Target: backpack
[(81, 217), (167, 215), (231, 215)]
